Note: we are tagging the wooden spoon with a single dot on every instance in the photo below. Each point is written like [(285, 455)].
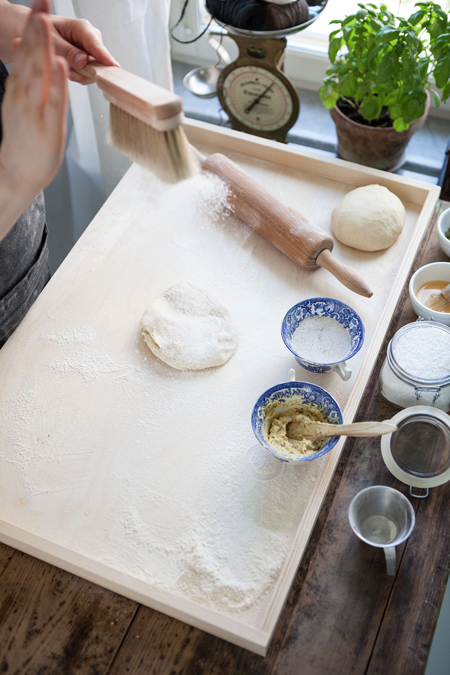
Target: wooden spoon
[(307, 428), (439, 302)]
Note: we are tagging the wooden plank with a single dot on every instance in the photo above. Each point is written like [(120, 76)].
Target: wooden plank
[(51, 621), (159, 645), (6, 553), (410, 619)]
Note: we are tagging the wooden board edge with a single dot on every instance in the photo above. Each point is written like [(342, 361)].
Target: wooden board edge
[(311, 514), (304, 159), (225, 628)]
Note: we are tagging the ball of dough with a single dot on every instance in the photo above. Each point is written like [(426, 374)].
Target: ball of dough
[(189, 329), (369, 218)]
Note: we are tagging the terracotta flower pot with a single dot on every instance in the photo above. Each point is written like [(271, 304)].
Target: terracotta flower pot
[(378, 147)]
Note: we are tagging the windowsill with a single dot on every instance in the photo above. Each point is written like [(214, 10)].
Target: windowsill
[(314, 128)]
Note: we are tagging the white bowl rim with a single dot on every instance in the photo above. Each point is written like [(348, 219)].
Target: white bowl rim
[(444, 215), (414, 287)]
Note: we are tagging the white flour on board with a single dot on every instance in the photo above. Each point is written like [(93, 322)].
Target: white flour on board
[(97, 447), (223, 547)]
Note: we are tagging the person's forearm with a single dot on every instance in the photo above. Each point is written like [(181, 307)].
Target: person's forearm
[(13, 202), (12, 22)]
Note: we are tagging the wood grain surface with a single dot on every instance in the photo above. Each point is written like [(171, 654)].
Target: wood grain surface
[(343, 613)]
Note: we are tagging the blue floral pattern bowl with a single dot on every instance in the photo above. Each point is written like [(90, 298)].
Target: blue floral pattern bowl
[(280, 398), (334, 309)]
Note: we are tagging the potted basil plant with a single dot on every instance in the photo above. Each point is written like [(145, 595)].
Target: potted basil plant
[(378, 85)]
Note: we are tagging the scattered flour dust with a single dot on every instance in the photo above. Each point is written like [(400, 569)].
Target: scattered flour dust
[(71, 336), (88, 362), (206, 198), (227, 556), (184, 516), (199, 527)]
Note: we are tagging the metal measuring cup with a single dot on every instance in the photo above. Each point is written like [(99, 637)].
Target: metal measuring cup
[(382, 517)]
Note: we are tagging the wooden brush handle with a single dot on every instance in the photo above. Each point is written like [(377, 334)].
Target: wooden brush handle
[(151, 104), (287, 229)]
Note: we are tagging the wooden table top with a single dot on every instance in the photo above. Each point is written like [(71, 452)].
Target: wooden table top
[(343, 614)]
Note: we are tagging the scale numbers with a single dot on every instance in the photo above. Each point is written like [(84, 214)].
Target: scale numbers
[(257, 98)]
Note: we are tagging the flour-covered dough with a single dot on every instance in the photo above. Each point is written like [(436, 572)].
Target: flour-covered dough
[(369, 218), (189, 329)]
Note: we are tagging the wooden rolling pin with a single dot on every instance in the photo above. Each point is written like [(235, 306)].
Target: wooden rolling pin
[(288, 230)]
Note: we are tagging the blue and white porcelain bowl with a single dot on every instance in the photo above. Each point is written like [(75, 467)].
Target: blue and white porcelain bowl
[(280, 398), (334, 309)]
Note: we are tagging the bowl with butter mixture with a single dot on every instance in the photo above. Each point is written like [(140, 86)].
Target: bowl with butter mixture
[(425, 285), (284, 403), (322, 334)]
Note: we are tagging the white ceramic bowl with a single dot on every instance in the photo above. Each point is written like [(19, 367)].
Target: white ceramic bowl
[(432, 272), (442, 225)]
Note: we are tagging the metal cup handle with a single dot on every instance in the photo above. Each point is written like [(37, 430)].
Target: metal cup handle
[(389, 552)]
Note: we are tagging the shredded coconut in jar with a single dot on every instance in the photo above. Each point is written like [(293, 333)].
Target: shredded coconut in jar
[(321, 339)]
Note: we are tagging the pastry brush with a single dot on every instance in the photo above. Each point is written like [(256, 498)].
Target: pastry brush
[(438, 303), (145, 122)]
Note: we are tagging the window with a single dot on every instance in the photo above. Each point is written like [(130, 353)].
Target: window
[(306, 55)]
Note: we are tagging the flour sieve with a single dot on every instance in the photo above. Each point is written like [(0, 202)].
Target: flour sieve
[(418, 453)]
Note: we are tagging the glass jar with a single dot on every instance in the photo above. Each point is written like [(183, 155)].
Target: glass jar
[(417, 366)]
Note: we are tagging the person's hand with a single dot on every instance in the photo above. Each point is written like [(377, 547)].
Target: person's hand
[(77, 40), (34, 110)]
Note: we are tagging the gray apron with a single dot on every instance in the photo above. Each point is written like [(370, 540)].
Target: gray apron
[(24, 267)]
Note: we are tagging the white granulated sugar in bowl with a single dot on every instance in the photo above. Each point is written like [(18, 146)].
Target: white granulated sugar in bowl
[(321, 339)]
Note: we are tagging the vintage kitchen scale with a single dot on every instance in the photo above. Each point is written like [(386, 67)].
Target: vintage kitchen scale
[(253, 90)]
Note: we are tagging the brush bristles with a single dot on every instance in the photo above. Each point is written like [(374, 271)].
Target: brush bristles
[(166, 153)]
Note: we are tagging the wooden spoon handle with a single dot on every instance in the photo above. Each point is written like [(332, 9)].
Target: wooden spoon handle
[(322, 429), (358, 429)]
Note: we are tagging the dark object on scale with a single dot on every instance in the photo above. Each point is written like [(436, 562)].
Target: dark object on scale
[(257, 15)]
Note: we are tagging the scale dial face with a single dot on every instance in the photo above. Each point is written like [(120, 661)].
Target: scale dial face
[(257, 98)]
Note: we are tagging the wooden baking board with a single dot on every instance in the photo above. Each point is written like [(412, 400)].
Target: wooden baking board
[(105, 451)]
